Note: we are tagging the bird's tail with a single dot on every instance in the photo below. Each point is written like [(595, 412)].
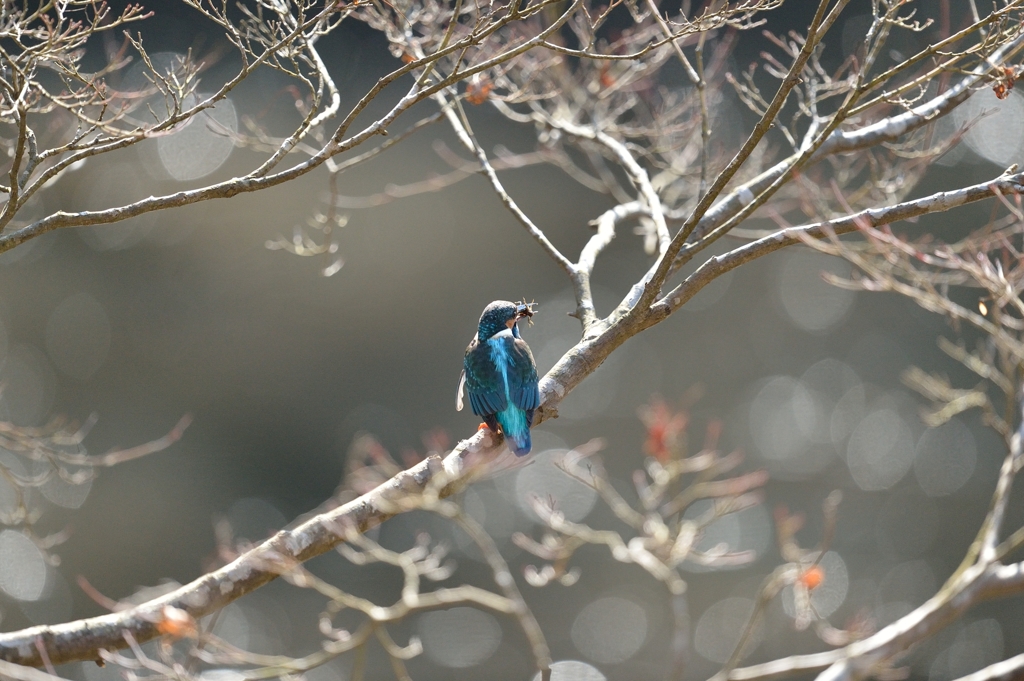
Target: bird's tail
[(516, 427), (519, 443)]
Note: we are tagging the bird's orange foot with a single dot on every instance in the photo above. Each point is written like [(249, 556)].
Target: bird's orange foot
[(483, 426)]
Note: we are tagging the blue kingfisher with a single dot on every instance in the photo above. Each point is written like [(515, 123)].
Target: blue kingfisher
[(500, 375)]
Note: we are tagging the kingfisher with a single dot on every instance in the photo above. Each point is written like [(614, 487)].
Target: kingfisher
[(500, 375)]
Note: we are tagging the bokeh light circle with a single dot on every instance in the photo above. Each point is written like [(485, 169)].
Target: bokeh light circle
[(255, 519), (748, 530), (78, 336), (54, 605), (114, 184), (780, 414), (709, 296), (261, 626), (610, 630), (544, 480), (828, 381), (996, 130), (880, 450), (979, 645), (496, 512), (902, 589), (201, 144), (830, 594), (233, 626), (720, 627), (492, 510), (976, 646), (811, 303), (573, 670), (788, 423), (66, 493), (459, 637), (28, 382), (22, 567), (850, 409), (945, 459)]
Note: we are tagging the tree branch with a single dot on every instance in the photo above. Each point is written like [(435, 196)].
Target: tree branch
[(82, 639), (887, 130), (1007, 670), (873, 217)]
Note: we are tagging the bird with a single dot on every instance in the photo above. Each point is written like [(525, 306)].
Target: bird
[(500, 375)]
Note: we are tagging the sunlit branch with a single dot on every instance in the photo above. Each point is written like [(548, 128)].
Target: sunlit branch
[(632, 167), (1006, 670), (873, 217), (840, 141), (696, 77), (457, 118), (643, 296)]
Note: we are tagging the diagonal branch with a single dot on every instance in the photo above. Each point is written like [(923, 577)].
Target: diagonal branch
[(872, 217), (1007, 670), (82, 639), (635, 170), (655, 278), (457, 118)]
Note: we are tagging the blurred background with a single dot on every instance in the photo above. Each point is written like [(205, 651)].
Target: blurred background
[(188, 311)]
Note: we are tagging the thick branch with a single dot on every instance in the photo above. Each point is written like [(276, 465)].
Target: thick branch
[(81, 640)]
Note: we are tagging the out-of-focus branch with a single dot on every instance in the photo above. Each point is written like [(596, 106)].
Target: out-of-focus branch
[(871, 655), (663, 539), (81, 640), (696, 77), (1007, 670), (986, 264), (55, 453), (22, 673)]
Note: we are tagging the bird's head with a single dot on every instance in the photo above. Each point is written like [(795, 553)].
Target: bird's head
[(501, 315)]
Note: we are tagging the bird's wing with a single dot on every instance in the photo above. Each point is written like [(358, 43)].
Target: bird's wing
[(522, 376), (458, 395), (484, 381)]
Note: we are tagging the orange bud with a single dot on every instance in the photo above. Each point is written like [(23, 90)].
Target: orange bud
[(478, 94), (812, 577), (176, 623)]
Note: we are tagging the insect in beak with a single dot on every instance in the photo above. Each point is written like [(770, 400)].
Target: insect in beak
[(526, 310)]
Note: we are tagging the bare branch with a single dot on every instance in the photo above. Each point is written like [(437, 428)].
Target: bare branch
[(874, 217)]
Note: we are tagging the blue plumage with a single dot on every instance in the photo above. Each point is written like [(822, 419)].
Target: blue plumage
[(500, 375)]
